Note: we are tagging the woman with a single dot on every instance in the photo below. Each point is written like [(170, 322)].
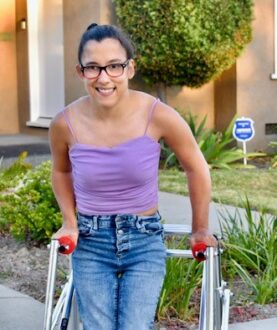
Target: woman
[(105, 153)]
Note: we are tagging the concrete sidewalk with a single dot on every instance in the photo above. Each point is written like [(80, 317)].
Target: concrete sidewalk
[(19, 312), (12, 145)]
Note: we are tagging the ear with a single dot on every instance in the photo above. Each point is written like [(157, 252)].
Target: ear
[(131, 69), (79, 71)]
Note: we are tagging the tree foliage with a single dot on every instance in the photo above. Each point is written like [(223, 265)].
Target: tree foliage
[(185, 42)]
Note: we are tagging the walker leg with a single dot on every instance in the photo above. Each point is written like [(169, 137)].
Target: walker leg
[(50, 284), (218, 286), (206, 321), (203, 301), (225, 309), (210, 288), (67, 303)]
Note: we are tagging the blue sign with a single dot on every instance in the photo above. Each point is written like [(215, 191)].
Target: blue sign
[(243, 129)]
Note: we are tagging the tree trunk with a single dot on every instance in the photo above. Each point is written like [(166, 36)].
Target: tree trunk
[(161, 92)]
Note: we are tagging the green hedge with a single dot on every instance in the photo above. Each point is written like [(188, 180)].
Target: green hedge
[(185, 42), (30, 211)]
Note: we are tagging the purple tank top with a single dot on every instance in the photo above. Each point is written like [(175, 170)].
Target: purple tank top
[(116, 180)]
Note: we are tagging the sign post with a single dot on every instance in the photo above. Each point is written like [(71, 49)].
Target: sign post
[(243, 131)]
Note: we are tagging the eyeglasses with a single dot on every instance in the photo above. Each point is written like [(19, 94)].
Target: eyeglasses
[(113, 70)]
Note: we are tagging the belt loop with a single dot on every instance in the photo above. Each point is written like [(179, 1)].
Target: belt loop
[(95, 222), (138, 224), (159, 215)]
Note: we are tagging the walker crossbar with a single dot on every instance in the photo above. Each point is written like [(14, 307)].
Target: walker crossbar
[(176, 229)]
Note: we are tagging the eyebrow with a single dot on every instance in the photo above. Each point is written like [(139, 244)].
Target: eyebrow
[(116, 60)]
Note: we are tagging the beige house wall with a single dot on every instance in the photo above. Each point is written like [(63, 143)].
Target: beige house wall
[(8, 87), (256, 91), (199, 102)]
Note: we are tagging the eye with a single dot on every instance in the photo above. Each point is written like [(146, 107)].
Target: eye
[(91, 68), (115, 66)]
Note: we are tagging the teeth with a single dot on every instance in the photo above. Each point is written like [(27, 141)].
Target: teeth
[(105, 90)]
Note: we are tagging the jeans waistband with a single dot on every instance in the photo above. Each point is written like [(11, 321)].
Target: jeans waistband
[(117, 220)]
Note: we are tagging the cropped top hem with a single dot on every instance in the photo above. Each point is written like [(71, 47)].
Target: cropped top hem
[(116, 211)]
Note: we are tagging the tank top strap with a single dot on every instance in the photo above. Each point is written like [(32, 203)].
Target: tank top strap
[(66, 118), (150, 113)]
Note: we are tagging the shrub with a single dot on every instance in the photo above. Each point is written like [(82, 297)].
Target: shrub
[(10, 176), (184, 42), (30, 211)]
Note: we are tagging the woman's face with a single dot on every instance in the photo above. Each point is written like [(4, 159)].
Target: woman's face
[(106, 90)]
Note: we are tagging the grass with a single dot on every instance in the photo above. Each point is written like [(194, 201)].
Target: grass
[(231, 186), (182, 280), (256, 264)]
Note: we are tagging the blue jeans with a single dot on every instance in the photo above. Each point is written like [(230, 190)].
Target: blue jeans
[(118, 271)]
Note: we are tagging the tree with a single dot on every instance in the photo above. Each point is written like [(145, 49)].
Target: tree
[(185, 42)]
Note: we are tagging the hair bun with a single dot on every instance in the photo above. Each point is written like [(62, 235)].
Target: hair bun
[(91, 26)]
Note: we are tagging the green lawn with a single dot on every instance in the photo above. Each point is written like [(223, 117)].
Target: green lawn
[(231, 186)]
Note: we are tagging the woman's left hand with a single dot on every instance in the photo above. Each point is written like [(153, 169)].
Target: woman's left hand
[(203, 236)]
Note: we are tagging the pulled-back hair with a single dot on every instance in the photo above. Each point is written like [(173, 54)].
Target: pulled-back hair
[(101, 32)]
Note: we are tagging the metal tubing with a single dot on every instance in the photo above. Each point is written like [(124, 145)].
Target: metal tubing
[(225, 309), (67, 301), (51, 284), (58, 308), (179, 253), (203, 301), (218, 289), (175, 229), (210, 289)]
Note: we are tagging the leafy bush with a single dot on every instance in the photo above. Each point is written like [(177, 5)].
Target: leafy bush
[(184, 42), (30, 211), (10, 176), (251, 252)]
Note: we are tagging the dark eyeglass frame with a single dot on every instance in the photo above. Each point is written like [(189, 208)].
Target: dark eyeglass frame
[(123, 65)]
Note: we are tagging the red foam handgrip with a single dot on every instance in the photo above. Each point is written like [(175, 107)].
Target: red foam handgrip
[(67, 245), (198, 251)]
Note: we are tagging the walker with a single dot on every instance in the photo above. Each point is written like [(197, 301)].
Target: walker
[(215, 296)]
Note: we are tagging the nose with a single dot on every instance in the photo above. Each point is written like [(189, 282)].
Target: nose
[(103, 76)]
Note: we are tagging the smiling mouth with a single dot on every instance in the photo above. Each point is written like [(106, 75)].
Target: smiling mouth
[(105, 91)]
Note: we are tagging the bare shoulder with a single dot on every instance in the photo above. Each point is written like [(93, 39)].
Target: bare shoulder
[(167, 120), (141, 99), (59, 124)]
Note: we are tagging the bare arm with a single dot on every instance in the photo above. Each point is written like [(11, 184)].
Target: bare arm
[(61, 177), (179, 138)]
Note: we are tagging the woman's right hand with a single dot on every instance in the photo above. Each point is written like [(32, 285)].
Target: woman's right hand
[(71, 232)]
